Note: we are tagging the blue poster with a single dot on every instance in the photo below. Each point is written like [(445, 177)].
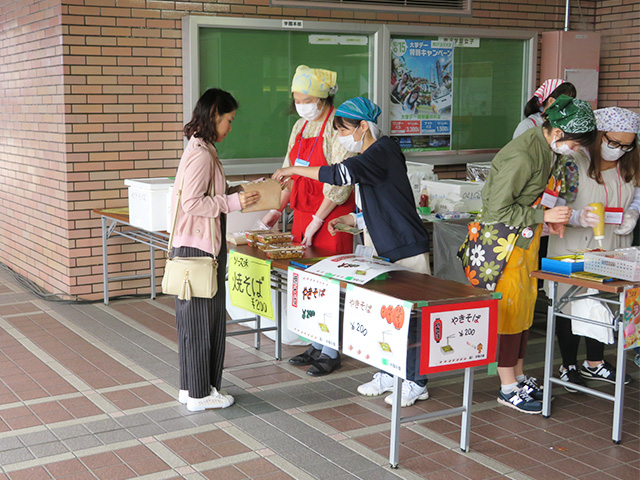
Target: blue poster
[(421, 93)]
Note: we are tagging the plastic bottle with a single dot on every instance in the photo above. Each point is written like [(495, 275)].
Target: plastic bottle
[(598, 230), (424, 198), (452, 215)]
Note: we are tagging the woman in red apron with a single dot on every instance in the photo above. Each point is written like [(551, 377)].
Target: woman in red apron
[(313, 142), (308, 200)]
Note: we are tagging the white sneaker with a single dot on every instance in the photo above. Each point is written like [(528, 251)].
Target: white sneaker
[(411, 392), (183, 396), (215, 400), (382, 382)]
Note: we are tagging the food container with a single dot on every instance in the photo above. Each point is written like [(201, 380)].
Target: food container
[(623, 263), (252, 235), (284, 252), (274, 238)]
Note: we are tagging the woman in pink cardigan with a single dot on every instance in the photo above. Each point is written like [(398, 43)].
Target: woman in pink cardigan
[(201, 322)]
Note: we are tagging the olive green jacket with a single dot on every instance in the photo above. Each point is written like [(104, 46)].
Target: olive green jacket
[(518, 176)]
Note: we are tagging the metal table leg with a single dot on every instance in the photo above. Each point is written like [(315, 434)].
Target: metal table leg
[(394, 450), (620, 374), (279, 324), (465, 424), (548, 355), (105, 261), (152, 265)]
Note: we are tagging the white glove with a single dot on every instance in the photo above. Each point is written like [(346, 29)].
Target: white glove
[(259, 225), (584, 218), (311, 230), (271, 218), (628, 222)]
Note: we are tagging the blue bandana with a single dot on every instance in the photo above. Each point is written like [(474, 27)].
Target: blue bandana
[(359, 108)]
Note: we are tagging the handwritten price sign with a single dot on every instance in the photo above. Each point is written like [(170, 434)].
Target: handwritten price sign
[(375, 329), (250, 284), (458, 336), (313, 307)]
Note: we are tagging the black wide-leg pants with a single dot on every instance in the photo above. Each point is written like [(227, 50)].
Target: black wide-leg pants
[(202, 328)]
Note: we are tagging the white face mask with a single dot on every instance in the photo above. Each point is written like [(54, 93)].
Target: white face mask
[(610, 154), (308, 111), (562, 149), (350, 144)]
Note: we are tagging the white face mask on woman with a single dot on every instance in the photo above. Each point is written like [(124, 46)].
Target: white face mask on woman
[(350, 144), (308, 111), (562, 149), (610, 154)]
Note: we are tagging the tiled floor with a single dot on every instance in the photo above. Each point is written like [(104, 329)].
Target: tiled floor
[(89, 391)]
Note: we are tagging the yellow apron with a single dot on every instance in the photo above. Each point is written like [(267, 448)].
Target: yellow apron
[(519, 290)]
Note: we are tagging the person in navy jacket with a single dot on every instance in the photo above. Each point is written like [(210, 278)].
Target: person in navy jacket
[(386, 212)]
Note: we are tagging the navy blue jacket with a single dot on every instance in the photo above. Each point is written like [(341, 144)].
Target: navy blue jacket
[(388, 205)]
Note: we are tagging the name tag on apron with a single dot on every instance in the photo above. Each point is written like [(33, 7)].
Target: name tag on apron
[(613, 216), (549, 198), (360, 220), (301, 163)]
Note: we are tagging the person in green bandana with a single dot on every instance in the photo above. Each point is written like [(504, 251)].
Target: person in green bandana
[(501, 249)]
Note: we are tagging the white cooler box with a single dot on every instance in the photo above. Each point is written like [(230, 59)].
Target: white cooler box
[(469, 192), (148, 202)]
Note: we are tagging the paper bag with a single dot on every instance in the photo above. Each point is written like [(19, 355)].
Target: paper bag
[(269, 195)]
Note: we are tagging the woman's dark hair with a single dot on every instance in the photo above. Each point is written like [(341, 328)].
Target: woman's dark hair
[(628, 163), (325, 101), (533, 105), (343, 122), (202, 125), (584, 139)]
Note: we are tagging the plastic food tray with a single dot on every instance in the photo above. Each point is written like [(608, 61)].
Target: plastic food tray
[(253, 234), (623, 263), (272, 238), (290, 251)]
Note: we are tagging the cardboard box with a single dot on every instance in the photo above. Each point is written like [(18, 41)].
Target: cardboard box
[(441, 193), (148, 202)]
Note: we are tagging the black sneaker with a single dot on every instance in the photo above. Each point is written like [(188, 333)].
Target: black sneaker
[(531, 386), (605, 372), (572, 375), (307, 357), (520, 400)]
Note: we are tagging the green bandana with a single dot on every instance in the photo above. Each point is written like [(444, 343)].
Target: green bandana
[(571, 115)]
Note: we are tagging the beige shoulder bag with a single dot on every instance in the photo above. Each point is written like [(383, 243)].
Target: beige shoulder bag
[(189, 277)]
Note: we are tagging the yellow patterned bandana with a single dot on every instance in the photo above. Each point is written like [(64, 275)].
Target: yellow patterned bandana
[(314, 81)]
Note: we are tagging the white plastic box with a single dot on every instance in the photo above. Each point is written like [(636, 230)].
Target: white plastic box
[(148, 202), (469, 192)]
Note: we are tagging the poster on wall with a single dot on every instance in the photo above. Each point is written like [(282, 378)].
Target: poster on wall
[(375, 329), (313, 307), (458, 336), (421, 99)]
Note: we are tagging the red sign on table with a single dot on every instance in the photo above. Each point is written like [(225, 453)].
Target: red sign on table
[(459, 335)]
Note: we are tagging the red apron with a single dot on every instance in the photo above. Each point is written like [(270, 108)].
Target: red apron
[(307, 196)]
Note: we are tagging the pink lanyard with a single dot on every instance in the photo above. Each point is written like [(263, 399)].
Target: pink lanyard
[(619, 188)]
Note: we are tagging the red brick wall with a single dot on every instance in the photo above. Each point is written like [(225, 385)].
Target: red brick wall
[(618, 22), (36, 217), (122, 105)]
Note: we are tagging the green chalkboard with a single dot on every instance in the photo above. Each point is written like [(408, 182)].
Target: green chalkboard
[(488, 82), (257, 66)]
